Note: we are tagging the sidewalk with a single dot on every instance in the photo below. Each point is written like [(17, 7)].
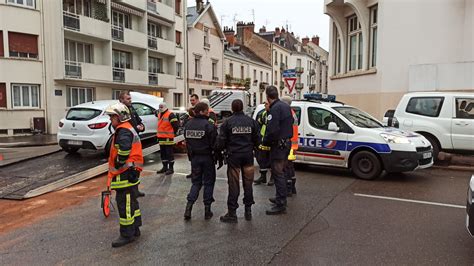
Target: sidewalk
[(456, 161), (28, 141)]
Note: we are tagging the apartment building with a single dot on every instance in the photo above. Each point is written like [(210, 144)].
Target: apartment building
[(244, 69), (88, 50), (381, 49), (205, 52)]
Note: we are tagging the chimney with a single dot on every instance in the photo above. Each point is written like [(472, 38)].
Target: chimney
[(277, 31), (262, 29), (244, 31), (315, 40), (283, 30), (305, 40), (230, 35), (199, 6)]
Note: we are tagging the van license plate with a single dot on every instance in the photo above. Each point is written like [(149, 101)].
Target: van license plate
[(75, 142), (427, 155)]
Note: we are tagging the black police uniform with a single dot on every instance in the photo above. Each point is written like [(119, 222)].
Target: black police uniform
[(239, 137), (263, 152), (277, 137), (200, 140)]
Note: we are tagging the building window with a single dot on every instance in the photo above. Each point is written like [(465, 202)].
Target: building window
[(206, 93), (23, 45), (276, 78), (191, 91), (231, 70), (24, 3), (177, 99), (281, 58), (122, 59), (78, 52), (155, 65), (266, 78), (116, 94), (178, 38), (177, 7), (154, 30), (206, 38), (242, 70), (261, 76), (254, 75), (78, 7), (276, 58), (121, 20), (197, 67), (214, 70), (298, 62), (3, 95), (179, 70), (286, 61), (25, 96), (2, 54), (355, 44), (78, 95), (373, 36)]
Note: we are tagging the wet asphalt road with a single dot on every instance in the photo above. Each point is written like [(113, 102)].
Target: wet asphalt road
[(327, 223)]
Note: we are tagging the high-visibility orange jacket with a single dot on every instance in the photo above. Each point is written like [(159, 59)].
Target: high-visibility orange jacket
[(135, 159), (294, 139), (165, 128)]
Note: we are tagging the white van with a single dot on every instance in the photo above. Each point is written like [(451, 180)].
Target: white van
[(335, 134), (221, 101), (446, 119)]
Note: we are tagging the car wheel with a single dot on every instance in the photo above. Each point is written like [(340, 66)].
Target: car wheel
[(435, 145), (70, 150), (366, 165)]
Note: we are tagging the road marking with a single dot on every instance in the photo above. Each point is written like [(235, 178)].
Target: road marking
[(412, 201)]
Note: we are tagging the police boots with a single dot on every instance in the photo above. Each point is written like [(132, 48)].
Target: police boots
[(289, 188), (170, 170), (230, 217), (207, 212), (122, 241), (187, 212), (293, 186), (164, 169), (248, 213), (262, 179)]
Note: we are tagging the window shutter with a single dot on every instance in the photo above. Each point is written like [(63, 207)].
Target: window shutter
[(23, 43), (1, 44)]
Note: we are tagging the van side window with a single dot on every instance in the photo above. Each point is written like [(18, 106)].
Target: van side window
[(425, 106), (465, 108), (298, 113), (320, 119)]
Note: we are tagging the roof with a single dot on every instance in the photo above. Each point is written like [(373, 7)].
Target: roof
[(244, 53), (192, 17)]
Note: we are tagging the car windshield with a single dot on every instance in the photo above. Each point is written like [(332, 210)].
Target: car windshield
[(82, 114), (358, 117)]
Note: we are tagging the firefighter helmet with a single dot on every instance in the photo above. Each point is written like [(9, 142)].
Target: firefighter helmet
[(119, 109)]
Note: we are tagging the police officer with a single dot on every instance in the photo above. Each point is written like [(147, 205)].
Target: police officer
[(277, 137), (168, 125), (239, 137), (193, 100), (135, 119), (200, 140), (290, 167), (125, 165), (263, 152)]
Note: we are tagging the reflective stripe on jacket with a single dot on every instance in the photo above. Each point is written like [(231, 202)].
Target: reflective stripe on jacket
[(294, 139)]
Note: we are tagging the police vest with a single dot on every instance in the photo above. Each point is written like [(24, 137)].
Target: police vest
[(135, 159), (165, 129), (263, 121), (294, 139)]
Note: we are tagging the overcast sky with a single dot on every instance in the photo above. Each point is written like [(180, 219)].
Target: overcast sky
[(304, 17)]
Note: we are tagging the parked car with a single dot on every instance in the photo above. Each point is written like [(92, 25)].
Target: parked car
[(446, 119), (339, 135), (470, 208), (86, 126)]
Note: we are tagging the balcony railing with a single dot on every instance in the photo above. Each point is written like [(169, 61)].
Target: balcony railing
[(299, 86), (231, 81), (71, 21), (73, 69), (153, 78), (312, 72), (312, 87), (117, 33), (152, 42), (299, 70), (118, 74), (282, 66)]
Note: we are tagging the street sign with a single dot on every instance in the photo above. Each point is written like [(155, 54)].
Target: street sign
[(290, 83), (289, 73)]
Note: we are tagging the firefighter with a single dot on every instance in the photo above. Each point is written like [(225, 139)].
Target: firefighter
[(277, 136), (200, 139), (135, 119), (263, 152), (168, 125), (239, 137), (212, 114), (125, 165), (290, 167)]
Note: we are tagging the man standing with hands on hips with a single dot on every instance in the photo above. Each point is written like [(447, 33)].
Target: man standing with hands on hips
[(278, 134)]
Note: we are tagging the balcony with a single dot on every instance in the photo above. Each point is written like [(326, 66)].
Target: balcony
[(128, 36), (207, 46), (215, 78), (299, 86), (151, 6), (312, 72), (73, 69), (96, 72), (299, 70), (166, 80), (242, 83), (28, 71), (118, 75), (136, 4), (161, 45), (152, 43), (282, 66), (86, 25), (136, 76), (117, 33), (165, 11), (153, 78), (197, 76)]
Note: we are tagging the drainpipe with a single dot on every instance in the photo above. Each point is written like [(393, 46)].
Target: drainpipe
[(43, 51)]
